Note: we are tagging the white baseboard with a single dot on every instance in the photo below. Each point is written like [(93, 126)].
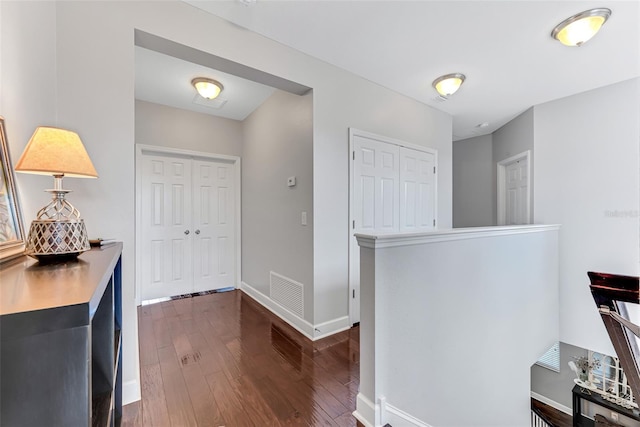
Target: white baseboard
[(552, 403), (331, 327), (313, 332), (397, 417), (130, 392)]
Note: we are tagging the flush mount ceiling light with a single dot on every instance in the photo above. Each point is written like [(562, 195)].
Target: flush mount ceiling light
[(448, 84), (578, 29), (207, 88)]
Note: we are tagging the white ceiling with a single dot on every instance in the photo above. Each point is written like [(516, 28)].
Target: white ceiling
[(166, 80), (503, 47)]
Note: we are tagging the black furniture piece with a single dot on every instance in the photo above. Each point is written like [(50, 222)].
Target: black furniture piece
[(60, 352), (580, 420)]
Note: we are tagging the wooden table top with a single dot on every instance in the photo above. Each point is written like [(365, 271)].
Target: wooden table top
[(26, 285)]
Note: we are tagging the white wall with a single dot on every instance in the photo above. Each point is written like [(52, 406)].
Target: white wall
[(278, 143), (94, 42), (587, 179), (464, 301), (172, 127), (473, 176)]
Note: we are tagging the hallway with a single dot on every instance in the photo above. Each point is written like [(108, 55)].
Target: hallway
[(224, 360)]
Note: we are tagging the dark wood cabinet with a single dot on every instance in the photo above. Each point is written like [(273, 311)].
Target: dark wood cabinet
[(580, 420), (60, 351)]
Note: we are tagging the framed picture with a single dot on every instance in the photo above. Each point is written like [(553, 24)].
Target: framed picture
[(12, 240)]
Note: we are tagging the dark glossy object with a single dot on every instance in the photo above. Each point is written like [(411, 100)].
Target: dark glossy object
[(224, 360), (552, 416), (580, 394), (612, 291), (60, 341)]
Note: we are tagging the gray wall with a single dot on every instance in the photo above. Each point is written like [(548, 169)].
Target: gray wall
[(514, 138), (557, 386), (473, 171), (79, 43), (278, 143), (172, 127)]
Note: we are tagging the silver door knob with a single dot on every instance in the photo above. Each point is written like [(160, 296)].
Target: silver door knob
[(186, 231), (197, 231)]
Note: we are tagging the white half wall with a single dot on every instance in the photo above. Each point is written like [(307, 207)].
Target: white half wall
[(476, 308)]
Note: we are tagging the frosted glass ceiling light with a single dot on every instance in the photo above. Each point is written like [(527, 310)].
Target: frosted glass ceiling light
[(207, 88), (448, 84), (578, 29)]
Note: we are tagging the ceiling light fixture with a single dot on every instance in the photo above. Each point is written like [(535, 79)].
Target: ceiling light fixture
[(578, 29), (207, 88), (448, 84)]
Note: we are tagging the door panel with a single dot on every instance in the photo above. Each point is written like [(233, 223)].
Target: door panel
[(165, 207), (417, 190), (375, 186), (214, 224)]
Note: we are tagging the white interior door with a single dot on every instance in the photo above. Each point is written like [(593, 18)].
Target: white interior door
[(514, 193), (417, 190), (214, 224), (166, 227)]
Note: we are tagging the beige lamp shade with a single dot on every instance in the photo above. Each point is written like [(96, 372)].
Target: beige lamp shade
[(53, 151)]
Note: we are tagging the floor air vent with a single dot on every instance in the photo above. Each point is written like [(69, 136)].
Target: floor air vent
[(288, 293)]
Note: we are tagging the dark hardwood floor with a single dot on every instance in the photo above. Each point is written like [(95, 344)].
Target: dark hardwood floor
[(552, 415), (224, 360)]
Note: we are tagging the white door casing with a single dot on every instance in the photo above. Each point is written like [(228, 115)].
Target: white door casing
[(211, 207), (392, 189), (514, 190), (166, 225)]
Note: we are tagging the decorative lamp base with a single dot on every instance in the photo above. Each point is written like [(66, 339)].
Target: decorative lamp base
[(50, 239)]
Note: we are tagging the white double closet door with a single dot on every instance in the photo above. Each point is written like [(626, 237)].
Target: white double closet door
[(187, 219), (393, 190)]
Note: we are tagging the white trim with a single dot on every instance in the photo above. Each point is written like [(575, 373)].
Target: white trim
[(502, 165), (357, 132), (366, 412), (397, 417), (313, 332), (552, 403), (396, 240), (301, 325), (130, 392), (325, 329), (143, 149), (353, 132)]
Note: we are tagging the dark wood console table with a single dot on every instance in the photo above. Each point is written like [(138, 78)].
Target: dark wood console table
[(60, 349), (580, 420)]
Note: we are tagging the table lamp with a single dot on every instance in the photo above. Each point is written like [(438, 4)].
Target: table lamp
[(58, 232)]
